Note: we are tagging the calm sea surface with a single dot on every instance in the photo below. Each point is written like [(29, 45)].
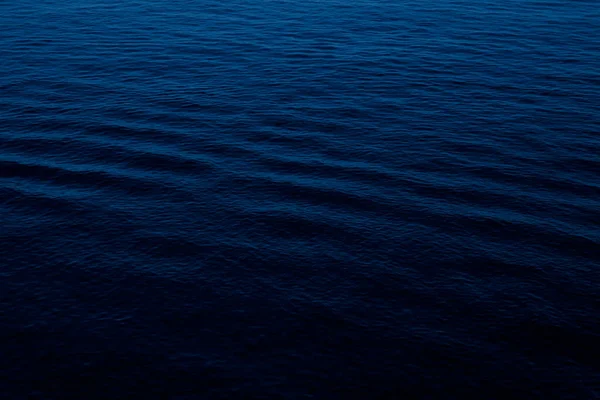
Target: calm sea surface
[(275, 199)]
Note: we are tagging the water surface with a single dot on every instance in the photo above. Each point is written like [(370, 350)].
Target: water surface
[(321, 199)]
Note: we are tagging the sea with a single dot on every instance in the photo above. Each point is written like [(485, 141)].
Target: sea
[(318, 199)]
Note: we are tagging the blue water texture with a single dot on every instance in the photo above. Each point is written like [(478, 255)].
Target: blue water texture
[(319, 199)]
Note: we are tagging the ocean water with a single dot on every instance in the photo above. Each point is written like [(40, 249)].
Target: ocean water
[(261, 199)]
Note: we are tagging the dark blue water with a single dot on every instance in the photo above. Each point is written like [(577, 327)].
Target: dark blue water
[(260, 199)]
